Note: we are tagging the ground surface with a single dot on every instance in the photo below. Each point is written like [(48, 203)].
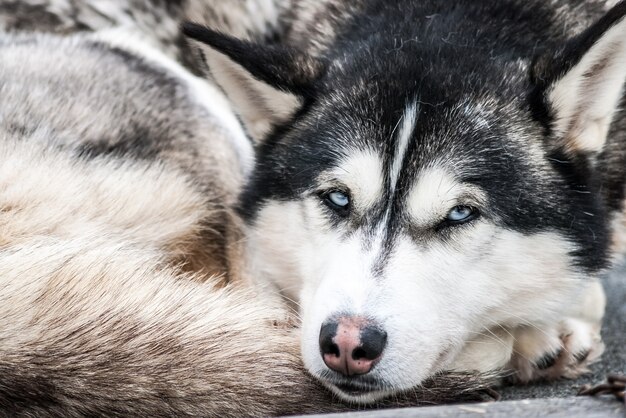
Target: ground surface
[(555, 399), (544, 408)]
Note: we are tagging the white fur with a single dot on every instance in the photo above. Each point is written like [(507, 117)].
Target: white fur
[(592, 303), (436, 192), (267, 245), (489, 349), (407, 125)]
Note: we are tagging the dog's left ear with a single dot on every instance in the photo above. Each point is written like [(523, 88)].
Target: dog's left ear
[(580, 86), (266, 83)]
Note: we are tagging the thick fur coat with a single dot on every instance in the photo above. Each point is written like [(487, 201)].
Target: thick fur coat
[(152, 254)]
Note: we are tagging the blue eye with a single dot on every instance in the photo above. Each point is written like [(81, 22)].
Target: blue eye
[(339, 199), (460, 214)]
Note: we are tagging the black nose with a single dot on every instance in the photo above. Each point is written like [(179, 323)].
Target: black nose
[(327, 334), (351, 345), (373, 341)]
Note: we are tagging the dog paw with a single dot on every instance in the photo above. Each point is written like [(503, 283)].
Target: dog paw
[(564, 351)]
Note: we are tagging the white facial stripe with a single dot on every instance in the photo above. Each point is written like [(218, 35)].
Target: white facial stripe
[(406, 131), (436, 192), (362, 172)]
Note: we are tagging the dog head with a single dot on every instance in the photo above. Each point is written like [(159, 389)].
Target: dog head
[(412, 195)]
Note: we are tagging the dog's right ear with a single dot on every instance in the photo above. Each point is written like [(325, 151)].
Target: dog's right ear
[(267, 83)]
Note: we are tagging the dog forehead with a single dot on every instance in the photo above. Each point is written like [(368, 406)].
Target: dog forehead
[(421, 155)]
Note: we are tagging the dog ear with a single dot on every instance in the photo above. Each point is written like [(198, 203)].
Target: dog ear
[(266, 83), (580, 86)]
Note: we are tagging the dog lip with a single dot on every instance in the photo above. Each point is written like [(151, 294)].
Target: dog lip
[(356, 388)]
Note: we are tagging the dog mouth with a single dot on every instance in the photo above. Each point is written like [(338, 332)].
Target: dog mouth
[(366, 389), (357, 391)]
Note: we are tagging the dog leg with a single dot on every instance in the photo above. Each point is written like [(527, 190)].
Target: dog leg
[(490, 350), (565, 350)]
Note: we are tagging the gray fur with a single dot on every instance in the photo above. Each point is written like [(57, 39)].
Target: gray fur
[(158, 19), (105, 102)]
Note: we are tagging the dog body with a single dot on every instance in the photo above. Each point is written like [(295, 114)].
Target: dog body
[(118, 168), (442, 193)]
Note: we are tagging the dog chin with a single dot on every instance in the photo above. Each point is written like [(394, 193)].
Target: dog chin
[(355, 393)]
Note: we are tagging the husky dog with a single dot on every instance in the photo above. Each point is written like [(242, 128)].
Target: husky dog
[(441, 185), (120, 290)]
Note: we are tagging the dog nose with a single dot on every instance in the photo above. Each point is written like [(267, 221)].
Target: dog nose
[(351, 345)]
